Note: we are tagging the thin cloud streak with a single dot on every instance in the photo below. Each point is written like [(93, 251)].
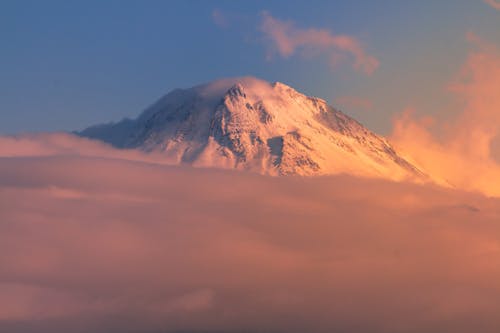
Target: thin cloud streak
[(285, 39)]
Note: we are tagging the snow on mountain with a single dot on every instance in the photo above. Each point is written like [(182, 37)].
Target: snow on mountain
[(250, 124)]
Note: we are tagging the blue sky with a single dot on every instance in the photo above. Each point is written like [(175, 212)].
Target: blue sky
[(65, 65)]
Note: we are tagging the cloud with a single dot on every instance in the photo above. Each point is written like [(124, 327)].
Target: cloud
[(56, 144), (285, 39), (459, 151), (98, 240), (493, 3)]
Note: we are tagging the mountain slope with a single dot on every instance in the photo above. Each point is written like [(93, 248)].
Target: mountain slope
[(246, 123)]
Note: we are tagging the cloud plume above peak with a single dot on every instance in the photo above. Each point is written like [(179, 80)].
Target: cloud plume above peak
[(285, 39)]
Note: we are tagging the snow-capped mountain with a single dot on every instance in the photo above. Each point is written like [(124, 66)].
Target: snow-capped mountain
[(246, 123)]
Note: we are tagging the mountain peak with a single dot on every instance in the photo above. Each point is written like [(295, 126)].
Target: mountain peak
[(250, 124), (282, 87), (236, 90)]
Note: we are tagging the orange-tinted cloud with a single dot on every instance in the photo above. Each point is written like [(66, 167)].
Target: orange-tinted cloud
[(285, 39), (458, 152), (493, 3), (211, 250)]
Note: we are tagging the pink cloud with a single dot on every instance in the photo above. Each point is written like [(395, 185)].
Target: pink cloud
[(286, 39), (493, 3), (211, 250), (57, 144)]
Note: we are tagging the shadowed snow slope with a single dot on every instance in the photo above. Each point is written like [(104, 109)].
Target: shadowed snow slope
[(250, 124)]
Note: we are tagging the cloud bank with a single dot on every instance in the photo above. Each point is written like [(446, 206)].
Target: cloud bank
[(96, 243), (285, 39), (353, 102), (65, 144)]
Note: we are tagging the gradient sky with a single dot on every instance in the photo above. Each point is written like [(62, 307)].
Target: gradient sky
[(65, 65)]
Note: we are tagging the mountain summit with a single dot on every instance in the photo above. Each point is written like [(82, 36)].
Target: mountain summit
[(250, 124)]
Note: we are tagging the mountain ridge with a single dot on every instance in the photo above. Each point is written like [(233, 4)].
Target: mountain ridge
[(250, 124)]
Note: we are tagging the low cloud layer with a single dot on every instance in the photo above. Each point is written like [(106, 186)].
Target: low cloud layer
[(460, 152), (119, 244), (285, 39), (65, 144)]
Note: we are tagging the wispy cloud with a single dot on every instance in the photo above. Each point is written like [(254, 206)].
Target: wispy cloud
[(493, 3), (285, 39)]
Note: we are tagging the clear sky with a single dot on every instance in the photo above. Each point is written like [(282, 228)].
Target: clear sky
[(65, 65)]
